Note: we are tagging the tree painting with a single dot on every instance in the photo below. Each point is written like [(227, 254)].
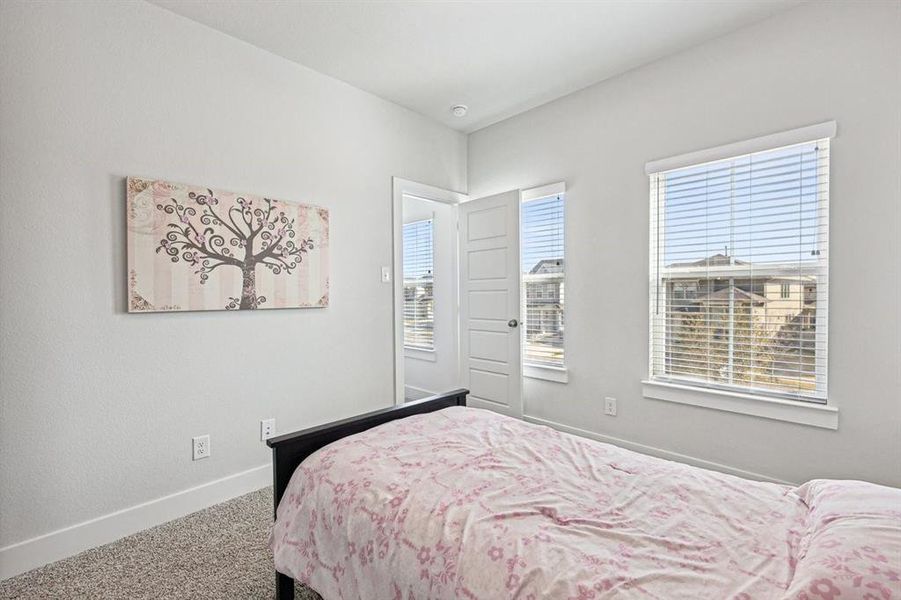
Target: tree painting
[(226, 240), (255, 236)]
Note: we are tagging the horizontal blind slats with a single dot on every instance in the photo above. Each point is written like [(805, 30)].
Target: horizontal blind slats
[(542, 226), (726, 237), (419, 302)]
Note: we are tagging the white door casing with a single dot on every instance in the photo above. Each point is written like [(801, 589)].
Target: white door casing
[(490, 337)]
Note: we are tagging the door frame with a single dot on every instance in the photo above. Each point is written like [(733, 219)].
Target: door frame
[(400, 188)]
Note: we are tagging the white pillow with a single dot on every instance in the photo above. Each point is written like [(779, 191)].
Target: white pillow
[(851, 547)]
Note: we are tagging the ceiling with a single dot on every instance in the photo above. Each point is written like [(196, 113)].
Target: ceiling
[(500, 58)]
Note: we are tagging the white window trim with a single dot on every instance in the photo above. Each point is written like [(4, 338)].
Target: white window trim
[(759, 405), (546, 372), (536, 193), (555, 374), (768, 407), (758, 144), (427, 354)]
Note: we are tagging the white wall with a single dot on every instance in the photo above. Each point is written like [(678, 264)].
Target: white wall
[(98, 406), (818, 62), (437, 371)]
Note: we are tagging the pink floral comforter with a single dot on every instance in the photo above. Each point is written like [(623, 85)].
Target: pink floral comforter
[(465, 503)]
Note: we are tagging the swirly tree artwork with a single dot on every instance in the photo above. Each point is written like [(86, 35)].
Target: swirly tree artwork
[(194, 248)]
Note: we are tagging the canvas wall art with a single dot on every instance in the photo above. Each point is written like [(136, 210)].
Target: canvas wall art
[(194, 248)]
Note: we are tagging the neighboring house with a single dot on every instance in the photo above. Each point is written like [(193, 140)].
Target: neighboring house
[(717, 301), (543, 300), (772, 301)]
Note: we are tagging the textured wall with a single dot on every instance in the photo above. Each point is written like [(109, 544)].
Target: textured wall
[(98, 406), (818, 62)]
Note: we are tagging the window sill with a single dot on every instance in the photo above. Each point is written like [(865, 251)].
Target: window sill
[(555, 374), (420, 354), (815, 415)]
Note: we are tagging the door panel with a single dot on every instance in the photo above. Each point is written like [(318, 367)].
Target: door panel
[(488, 264), (488, 305), (488, 345), (489, 273), (487, 223), (489, 386)]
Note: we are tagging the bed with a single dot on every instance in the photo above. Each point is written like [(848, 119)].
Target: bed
[(436, 500)]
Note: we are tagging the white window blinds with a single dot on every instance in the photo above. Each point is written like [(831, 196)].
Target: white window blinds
[(542, 280), (739, 272), (419, 303)]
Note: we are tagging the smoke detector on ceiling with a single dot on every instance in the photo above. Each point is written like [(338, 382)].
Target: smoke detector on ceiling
[(459, 110)]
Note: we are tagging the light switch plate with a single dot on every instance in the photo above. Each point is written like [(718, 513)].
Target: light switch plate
[(386, 274)]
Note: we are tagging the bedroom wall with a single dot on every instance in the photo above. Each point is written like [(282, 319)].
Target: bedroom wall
[(818, 62), (98, 407), (437, 371)]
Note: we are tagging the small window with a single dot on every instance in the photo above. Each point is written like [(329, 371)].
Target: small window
[(725, 236), (419, 301), (542, 279)]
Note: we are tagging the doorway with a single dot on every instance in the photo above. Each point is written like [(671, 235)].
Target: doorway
[(457, 296), (426, 284)]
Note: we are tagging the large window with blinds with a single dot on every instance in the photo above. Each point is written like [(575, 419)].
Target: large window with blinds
[(419, 301), (542, 279), (739, 268)]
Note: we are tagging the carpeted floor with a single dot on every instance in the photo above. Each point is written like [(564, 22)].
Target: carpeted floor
[(216, 553)]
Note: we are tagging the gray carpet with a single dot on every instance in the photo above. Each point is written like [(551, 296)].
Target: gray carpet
[(216, 553)]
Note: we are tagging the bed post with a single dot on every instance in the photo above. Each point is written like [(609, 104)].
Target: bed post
[(290, 449), (284, 587)]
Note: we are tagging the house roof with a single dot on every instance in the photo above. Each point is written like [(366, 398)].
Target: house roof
[(717, 260), (548, 265), (722, 296)]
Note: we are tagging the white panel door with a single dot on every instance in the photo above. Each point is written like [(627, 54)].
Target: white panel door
[(489, 303)]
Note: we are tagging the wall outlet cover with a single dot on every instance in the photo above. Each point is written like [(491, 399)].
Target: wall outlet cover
[(610, 406), (267, 429), (201, 446)]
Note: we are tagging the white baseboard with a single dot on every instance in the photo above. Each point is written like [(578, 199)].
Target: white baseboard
[(658, 452), (56, 545)]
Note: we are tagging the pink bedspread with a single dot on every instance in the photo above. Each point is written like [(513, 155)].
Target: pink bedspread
[(465, 503)]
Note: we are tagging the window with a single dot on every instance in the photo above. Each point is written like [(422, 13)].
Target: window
[(542, 277), (730, 240), (419, 302)]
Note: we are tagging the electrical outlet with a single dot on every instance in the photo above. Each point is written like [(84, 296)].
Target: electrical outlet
[(610, 406), (386, 274), (201, 446), (267, 429)]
